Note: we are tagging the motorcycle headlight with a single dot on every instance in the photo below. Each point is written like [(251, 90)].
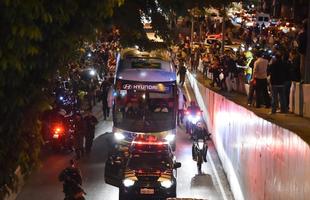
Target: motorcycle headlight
[(128, 182), (170, 138), (195, 119), (200, 145), (119, 136), (92, 72), (166, 183)]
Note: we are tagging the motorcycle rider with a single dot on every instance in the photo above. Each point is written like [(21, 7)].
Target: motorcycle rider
[(72, 182), (90, 123), (200, 132), (193, 108)]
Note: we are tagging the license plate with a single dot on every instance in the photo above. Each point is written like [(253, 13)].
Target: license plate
[(146, 191)]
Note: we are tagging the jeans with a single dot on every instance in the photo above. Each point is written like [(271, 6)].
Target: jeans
[(180, 116), (252, 89), (262, 92), (278, 91), (287, 91)]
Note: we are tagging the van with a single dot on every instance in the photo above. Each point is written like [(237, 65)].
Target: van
[(263, 19)]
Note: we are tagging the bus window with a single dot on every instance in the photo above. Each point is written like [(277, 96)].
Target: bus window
[(145, 111)]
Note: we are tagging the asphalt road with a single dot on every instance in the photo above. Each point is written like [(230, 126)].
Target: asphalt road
[(43, 183)]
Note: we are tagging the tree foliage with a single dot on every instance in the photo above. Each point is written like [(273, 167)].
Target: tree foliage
[(160, 12), (37, 37)]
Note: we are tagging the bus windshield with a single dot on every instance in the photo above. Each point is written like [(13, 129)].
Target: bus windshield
[(145, 110)]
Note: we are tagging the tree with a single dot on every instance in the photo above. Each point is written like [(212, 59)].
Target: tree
[(159, 12), (37, 37)]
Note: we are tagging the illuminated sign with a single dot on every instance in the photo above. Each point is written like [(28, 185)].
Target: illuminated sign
[(158, 87)]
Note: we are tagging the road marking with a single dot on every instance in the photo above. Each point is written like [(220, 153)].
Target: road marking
[(218, 180), (187, 93)]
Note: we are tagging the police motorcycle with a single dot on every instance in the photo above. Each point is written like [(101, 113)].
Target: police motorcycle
[(200, 147), (193, 115), (61, 129), (72, 182)]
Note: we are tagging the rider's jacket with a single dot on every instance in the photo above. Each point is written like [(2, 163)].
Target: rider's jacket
[(193, 109), (200, 133), (71, 179)]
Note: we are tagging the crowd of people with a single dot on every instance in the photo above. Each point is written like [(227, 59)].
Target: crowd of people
[(264, 66)]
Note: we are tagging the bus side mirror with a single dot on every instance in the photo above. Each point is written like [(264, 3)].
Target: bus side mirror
[(177, 165)]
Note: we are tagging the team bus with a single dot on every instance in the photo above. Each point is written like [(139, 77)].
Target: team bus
[(145, 96)]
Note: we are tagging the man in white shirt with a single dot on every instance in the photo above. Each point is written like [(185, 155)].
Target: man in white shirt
[(260, 79), (181, 105)]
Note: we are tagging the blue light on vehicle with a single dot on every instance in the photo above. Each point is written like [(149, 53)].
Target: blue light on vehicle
[(92, 72), (61, 98)]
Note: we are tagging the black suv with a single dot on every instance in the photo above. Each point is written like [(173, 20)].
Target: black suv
[(147, 171)]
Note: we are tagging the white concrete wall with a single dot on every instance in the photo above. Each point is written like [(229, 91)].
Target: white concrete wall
[(294, 99), (262, 161)]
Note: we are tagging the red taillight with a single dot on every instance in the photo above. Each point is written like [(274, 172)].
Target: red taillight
[(148, 143), (151, 138), (187, 112), (58, 130), (199, 113)]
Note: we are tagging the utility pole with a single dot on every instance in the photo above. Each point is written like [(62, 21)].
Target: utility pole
[(305, 71), (307, 61), (192, 29), (223, 30)]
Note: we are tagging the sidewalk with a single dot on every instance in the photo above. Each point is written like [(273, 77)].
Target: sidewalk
[(292, 122)]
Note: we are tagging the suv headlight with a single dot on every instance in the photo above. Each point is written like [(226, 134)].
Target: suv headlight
[(119, 136), (128, 182), (170, 137), (166, 183)]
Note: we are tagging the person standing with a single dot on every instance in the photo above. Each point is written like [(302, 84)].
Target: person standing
[(79, 133), (182, 73), (90, 123), (110, 100), (104, 97), (302, 47), (260, 78), (181, 105), (277, 79), (289, 76)]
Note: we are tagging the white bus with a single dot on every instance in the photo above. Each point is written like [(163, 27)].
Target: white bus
[(145, 96)]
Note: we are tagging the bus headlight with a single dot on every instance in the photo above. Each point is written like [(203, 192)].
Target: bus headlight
[(170, 137), (128, 182), (166, 183), (119, 136)]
